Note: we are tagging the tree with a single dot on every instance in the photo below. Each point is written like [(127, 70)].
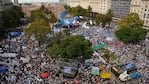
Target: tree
[(2, 29), (44, 10), (109, 56), (10, 19), (68, 9), (71, 47), (109, 16), (36, 15), (131, 35), (104, 19), (38, 29), (100, 20), (132, 21), (89, 10), (52, 18), (79, 11), (18, 9), (131, 29)]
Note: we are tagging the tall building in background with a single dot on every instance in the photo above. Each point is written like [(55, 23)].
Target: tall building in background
[(142, 8), (16, 2), (5, 3), (120, 8), (63, 2)]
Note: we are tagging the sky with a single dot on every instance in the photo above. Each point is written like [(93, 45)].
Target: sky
[(22, 1)]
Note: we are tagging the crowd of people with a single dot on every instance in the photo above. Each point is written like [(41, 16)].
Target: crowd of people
[(126, 53), (32, 60)]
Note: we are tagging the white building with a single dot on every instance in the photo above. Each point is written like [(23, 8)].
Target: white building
[(120, 8), (142, 8), (5, 3), (15, 2), (63, 2)]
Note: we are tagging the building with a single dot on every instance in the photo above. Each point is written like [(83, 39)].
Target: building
[(56, 9), (26, 10), (120, 7), (5, 3), (15, 2), (141, 7), (63, 2)]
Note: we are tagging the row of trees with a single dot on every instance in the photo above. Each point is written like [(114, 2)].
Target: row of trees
[(104, 19), (131, 29), (10, 19)]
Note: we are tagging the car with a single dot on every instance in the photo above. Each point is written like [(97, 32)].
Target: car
[(124, 76), (135, 75)]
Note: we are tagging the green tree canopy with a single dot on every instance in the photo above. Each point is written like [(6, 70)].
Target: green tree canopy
[(52, 18), (38, 29), (109, 56), (36, 15), (70, 47), (109, 16), (89, 10), (131, 29), (79, 11), (104, 19), (100, 20), (131, 35), (68, 9), (132, 21), (10, 19)]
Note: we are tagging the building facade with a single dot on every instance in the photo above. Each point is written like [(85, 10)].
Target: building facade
[(63, 2), (141, 7), (5, 3), (120, 7), (15, 2)]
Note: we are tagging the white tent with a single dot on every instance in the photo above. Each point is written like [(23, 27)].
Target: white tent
[(109, 39)]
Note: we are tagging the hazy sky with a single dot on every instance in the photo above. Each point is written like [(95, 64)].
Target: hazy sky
[(21, 1)]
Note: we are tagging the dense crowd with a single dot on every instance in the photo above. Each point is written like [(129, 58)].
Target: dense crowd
[(32, 60)]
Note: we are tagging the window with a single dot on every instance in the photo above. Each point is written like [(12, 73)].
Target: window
[(145, 10), (147, 16), (147, 22), (144, 15)]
